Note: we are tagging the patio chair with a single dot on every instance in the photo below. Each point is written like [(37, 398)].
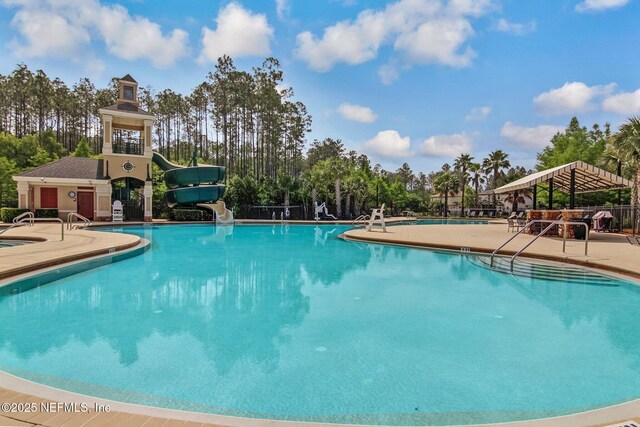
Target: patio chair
[(512, 224), (117, 212)]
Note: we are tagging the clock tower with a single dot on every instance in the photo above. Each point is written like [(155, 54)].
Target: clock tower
[(127, 153)]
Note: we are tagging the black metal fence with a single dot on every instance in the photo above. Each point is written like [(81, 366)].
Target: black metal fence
[(274, 212), (625, 217), (133, 210)]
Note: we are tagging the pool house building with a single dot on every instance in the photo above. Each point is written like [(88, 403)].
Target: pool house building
[(89, 186)]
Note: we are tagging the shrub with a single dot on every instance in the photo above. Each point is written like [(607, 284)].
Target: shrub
[(7, 214), (47, 213), (188, 215)]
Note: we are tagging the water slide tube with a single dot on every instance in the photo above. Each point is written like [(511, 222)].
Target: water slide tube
[(190, 186)]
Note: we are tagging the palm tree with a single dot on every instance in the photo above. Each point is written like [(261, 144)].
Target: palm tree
[(286, 184), (446, 182), (462, 164), (313, 179), (338, 169), (476, 179), (625, 146), (495, 161), (517, 197)]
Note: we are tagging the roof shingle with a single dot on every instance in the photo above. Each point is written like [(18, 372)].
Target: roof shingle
[(69, 167)]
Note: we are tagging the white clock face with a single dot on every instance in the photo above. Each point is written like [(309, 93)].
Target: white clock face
[(128, 166)]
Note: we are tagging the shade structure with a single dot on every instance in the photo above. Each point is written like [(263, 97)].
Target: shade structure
[(586, 178)]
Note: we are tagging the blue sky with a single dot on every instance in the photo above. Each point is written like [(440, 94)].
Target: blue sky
[(415, 81)]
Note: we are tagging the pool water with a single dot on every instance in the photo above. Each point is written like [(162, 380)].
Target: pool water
[(11, 243), (290, 322)]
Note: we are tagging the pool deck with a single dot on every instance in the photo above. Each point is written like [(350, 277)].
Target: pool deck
[(607, 251), (49, 250)]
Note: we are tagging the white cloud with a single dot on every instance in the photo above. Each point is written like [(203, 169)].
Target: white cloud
[(517, 28), (479, 113), (239, 32), (599, 5), (531, 137), (356, 113), (138, 38), (438, 42), (571, 98), (282, 8), (389, 143), (65, 28), (446, 145), (423, 31), (625, 103), (46, 33), (388, 73)]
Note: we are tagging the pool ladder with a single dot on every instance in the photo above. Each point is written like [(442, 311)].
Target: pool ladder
[(72, 226), (552, 224)]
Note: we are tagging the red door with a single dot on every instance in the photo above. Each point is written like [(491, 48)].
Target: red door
[(85, 204)]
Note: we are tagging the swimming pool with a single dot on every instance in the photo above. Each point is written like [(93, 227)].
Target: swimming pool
[(290, 322), (9, 243)]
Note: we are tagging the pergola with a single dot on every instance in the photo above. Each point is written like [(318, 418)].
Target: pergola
[(572, 178)]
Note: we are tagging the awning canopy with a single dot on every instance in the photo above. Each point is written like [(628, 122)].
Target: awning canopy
[(588, 178)]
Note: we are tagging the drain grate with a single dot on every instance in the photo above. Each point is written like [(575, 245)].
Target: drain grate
[(629, 423)]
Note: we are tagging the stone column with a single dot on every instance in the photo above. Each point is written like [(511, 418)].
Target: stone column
[(107, 124), (148, 202), (148, 126), (23, 195), (103, 196)]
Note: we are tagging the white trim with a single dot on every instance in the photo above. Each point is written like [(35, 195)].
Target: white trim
[(144, 156), (120, 113), (48, 181)]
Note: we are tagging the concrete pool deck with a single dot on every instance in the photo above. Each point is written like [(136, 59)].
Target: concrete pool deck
[(606, 251), (49, 250)]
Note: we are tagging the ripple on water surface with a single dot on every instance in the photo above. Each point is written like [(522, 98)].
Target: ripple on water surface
[(294, 323)]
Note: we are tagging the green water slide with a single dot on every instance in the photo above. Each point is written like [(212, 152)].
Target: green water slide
[(190, 185)]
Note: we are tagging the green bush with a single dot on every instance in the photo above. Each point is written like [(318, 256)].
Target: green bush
[(46, 213), (188, 215), (7, 214)]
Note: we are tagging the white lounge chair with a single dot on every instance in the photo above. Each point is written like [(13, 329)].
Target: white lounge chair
[(116, 211)]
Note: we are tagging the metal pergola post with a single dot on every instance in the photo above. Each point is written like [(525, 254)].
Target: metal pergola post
[(550, 204), (572, 190), (535, 196)]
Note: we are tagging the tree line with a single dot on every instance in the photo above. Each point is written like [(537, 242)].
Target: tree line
[(247, 122)]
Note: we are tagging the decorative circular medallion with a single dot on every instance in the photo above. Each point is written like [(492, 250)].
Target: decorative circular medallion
[(128, 166), (72, 194)]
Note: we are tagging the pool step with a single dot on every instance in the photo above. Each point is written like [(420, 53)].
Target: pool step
[(542, 271)]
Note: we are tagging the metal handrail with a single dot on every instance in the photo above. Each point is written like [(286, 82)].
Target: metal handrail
[(71, 215), (361, 218), (564, 238), (542, 233), (23, 215), (49, 219), (527, 225)]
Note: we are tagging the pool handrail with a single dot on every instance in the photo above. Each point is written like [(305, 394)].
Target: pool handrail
[(361, 218), (24, 215), (542, 233), (87, 221)]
